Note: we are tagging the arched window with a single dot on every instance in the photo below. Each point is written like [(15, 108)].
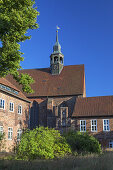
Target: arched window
[(55, 59), (61, 60)]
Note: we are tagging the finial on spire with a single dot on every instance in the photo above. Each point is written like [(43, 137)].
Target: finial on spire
[(57, 33)]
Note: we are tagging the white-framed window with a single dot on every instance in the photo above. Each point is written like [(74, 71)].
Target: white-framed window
[(11, 107), (10, 133), (1, 129), (19, 133), (2, 104), (19, 109), (82, 125), (93, 125), (106, 125), (111, 144)]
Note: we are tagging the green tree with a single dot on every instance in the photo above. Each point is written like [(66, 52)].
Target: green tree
[(42, 143), (82, 142), (16, 17)]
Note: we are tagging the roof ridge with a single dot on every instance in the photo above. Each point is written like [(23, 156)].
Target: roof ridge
[(49, 67), (96, 96)]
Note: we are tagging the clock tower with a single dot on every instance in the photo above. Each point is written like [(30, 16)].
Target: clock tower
[(56, 58)]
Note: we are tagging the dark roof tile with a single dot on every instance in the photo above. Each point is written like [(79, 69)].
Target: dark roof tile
[(69, 82), (93, 106)]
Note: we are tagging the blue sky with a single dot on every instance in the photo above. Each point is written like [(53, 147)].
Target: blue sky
[(86, 37)]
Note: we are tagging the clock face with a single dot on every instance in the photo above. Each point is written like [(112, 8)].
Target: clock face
[(55, 67)]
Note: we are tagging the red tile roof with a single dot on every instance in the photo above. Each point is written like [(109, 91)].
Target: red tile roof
[(69, 82), (7, 83), (93, 106)]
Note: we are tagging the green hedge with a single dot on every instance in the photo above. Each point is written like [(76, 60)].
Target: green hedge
[(82, 142), (42, 143), (45, 143)]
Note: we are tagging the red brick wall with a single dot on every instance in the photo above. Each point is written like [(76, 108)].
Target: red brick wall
[(103, 136), (13, 119)]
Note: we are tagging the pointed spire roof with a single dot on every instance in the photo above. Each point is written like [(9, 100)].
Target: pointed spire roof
[(57, 47)]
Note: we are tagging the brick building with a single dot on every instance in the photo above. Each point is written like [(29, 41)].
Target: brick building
[(60, 100), (14, 113)]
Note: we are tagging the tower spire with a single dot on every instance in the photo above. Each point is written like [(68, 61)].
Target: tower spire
[(57, 36), (57, 47), (56, 58)]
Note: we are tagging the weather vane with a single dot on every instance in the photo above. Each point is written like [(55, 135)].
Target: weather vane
[(57, 27)]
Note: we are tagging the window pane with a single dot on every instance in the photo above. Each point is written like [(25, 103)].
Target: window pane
[(107, 127), (104, 127), (104, 122)]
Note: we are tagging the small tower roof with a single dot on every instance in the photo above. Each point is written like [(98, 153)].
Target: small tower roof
[(57, 46)]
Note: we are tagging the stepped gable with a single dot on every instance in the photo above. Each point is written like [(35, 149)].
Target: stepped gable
[(93, 106), (69, 82), (8, 84)]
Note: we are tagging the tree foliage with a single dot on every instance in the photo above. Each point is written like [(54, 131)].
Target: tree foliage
[(16, 17), (2, 141), (42, 143), (82, 142)]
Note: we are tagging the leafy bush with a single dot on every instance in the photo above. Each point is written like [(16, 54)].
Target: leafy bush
[(42, 143), (82, 142), (2, 141)]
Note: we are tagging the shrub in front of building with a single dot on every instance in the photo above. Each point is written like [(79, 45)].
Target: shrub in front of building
[(43, 143), (82, 142), (2, 141)]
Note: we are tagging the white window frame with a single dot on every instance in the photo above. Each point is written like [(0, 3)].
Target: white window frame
[(106, 125), (82, 125), (19, 109), (111, 143), (19, 131), (2, 104), (92, 125), (11, 106), (10, 132), (1, 131)]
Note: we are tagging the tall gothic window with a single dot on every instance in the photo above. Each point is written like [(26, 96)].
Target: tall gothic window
[(64, 115)]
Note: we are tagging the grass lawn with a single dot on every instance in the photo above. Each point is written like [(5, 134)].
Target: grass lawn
[(92, 162)]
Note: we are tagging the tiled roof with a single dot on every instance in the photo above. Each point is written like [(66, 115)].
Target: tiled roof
[(69, 82), (7, 83), (93, 106)]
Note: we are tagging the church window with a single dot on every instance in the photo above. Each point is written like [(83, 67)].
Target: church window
[(63, 118), (82, 125), (64, 111)]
